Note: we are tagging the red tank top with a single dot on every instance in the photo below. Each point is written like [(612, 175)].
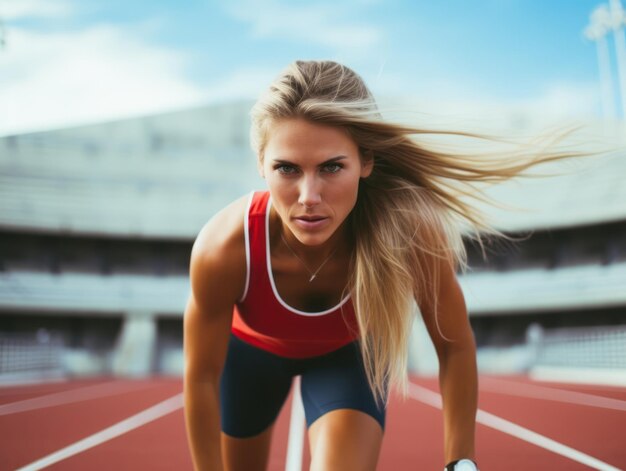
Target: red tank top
[(264, 320)]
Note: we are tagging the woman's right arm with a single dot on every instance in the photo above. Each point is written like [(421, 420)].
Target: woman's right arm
[(217, 275)]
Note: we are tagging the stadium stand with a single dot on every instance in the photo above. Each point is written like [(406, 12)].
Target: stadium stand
[(97, 224)]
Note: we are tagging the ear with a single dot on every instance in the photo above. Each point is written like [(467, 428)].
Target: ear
[(367, 163)]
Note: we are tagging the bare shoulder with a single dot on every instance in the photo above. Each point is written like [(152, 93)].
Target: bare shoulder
[(218, 256), (217, 274), (223, 228)]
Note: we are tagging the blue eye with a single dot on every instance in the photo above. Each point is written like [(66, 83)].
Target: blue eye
[(288, 170), (332, 168), (285, 169)]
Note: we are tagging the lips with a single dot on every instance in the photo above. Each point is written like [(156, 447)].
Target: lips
[(311, 218), (311, 222)]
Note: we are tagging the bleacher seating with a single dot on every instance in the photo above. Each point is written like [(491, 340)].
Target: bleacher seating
[(79, 292), (162, 175), (588, 347), (486, 292), (114, 185), (590, 191), (544, 290), (155, 177)]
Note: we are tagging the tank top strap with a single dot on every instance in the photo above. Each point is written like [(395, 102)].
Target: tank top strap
[(255, 225), (264, 320)]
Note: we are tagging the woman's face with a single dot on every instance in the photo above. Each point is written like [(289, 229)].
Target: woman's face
[(313, 173)]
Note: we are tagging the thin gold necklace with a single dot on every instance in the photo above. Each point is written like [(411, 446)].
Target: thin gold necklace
[(313, 274)]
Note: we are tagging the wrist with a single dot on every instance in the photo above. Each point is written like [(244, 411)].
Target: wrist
[(464, 464)]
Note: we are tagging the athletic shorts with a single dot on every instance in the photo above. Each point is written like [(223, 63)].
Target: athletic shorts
[(255, 384)]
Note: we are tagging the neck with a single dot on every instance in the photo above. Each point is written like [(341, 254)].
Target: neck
[(314, 255), (339, 243)]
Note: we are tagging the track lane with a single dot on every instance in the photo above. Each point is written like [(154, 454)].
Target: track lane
[(12, 393), (413, 437), (495, 438), (72, 396), (614, 392), (31, 435), (591, 430)]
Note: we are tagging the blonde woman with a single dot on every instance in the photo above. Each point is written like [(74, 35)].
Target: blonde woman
[(317, 277)]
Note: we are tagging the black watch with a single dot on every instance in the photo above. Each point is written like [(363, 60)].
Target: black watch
[(461, 465)]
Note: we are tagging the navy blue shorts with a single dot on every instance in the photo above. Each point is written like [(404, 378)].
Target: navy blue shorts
[(255, 384)]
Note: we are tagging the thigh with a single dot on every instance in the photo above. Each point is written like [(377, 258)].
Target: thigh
[(246, 454), (338, 381), (253, 389), (341, 412)]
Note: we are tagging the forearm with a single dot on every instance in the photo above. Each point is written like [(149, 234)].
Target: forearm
[(202, 420), (458, 381)]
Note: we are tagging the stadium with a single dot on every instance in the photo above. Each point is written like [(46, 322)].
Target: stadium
[(97, 224)]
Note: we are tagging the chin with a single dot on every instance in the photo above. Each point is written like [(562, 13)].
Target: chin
[(311, 239)]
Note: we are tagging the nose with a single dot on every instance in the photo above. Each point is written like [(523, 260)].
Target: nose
[(310, 194)]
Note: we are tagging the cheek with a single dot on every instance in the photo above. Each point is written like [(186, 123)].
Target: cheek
[(278, 186), (344, 193), (283, 194)]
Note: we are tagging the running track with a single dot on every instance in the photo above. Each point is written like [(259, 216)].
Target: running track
[(108, 423)]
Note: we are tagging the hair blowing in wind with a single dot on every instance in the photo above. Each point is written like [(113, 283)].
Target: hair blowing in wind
[(410, 211)]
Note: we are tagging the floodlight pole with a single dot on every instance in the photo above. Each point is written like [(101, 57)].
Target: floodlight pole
[(608, 101), (600, 23), (617, 23)]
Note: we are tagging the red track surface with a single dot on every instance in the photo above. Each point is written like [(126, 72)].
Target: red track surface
[(413, 438)]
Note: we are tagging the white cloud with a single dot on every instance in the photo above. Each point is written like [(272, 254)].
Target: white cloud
[(327, 25), (566, 100), (242, 83), (447, 104), (109, 72), (16, 9), (105, 72)]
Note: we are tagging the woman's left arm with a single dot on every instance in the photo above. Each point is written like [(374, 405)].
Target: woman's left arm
[(458, 374)]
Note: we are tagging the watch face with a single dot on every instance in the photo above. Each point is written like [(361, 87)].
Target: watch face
[(465, 465)]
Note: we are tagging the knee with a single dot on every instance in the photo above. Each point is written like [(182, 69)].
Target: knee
[(345, 439)]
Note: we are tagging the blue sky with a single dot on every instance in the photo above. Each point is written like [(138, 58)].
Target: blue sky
[(69, 62)]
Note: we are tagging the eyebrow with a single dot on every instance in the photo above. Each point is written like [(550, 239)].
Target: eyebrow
[(326, 162)]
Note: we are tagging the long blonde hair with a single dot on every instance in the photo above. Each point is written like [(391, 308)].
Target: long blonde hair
[(410, 211)]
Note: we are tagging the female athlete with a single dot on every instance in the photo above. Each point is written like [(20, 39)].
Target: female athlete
[(318, 277)]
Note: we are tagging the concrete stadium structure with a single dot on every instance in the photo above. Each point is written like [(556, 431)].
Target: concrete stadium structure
[(97, 223)]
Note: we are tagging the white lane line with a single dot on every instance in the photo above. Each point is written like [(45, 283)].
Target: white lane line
[(590, 376), (432, 398), (8, 383), (542, 441), (513, 388), (295, 444), (155, 412), (86, 393)]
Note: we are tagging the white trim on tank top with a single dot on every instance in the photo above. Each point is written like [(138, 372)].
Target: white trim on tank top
[(271, 276), (246, 221)]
